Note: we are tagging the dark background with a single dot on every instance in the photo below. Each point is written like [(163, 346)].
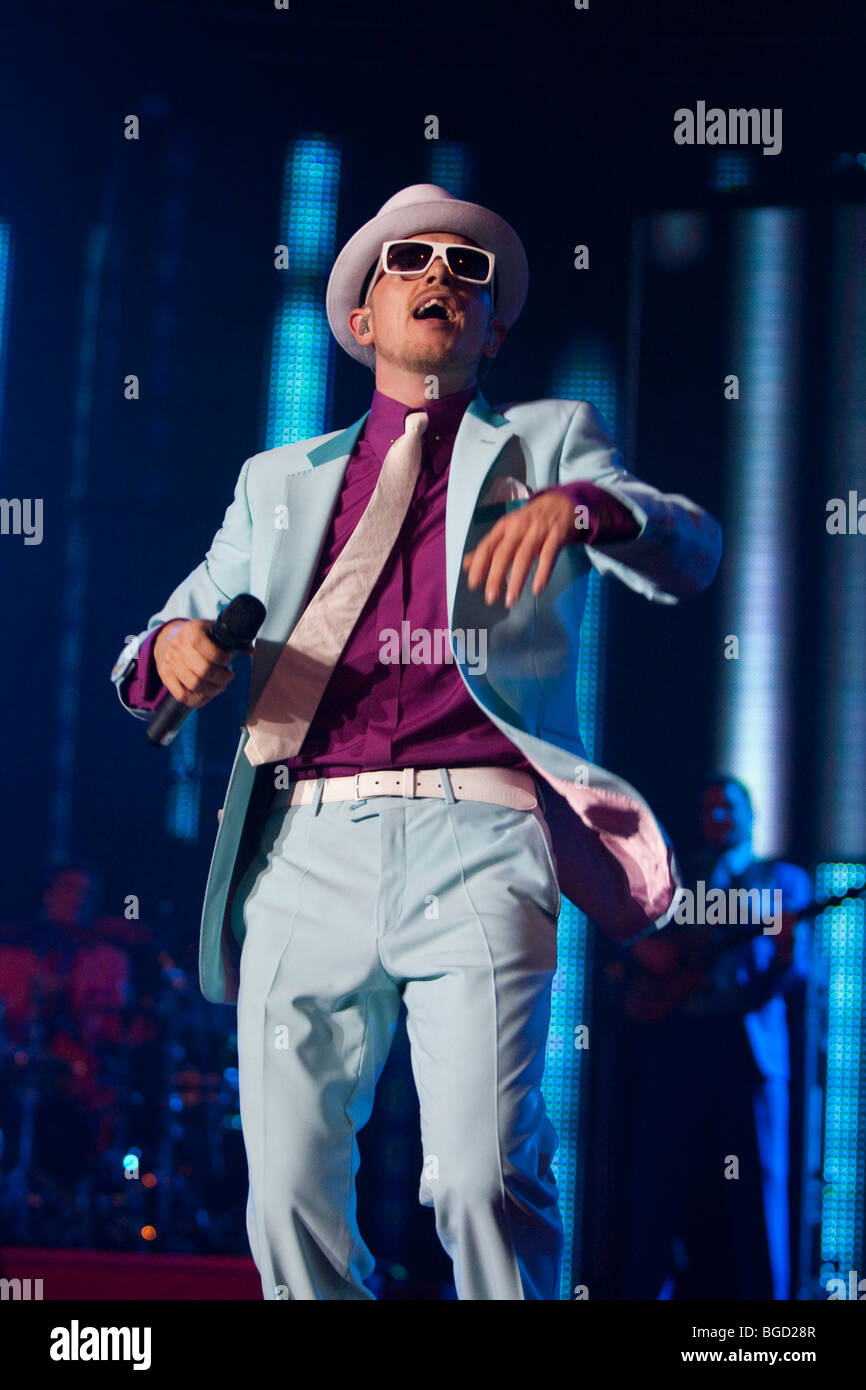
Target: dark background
[(568, 117)]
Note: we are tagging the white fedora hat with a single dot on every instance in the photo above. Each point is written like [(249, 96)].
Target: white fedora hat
[(424, 207)]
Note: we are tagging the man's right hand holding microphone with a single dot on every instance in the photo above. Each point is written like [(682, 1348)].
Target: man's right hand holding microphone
[(192, 667), (193, 656)]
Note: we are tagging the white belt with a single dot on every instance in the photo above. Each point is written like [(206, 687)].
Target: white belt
[(502, 786)]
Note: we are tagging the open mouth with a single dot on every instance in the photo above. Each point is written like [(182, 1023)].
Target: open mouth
[(435, 309)]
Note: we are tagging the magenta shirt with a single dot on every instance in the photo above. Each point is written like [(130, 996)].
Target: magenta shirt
[(376, 714)]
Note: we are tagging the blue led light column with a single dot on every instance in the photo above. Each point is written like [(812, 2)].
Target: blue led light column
[(841, 754), (76, 552), (184, 797), (841, 934), (842, 785), (760, 518), (450, 167), (587, 373), (5, 282), (302, 351)]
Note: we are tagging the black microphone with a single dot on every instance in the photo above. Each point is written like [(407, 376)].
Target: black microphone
[(235, 628)]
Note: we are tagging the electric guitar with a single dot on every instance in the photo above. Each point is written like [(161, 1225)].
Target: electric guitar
[(665, 969)]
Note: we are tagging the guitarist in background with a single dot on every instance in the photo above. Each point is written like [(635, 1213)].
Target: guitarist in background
[(708, 1009)]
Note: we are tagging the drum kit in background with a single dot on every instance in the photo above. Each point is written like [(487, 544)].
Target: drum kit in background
[(119, 1112)]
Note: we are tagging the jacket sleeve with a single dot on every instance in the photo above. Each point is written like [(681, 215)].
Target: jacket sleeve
[(605, 519), (223, 573), (677, 550)]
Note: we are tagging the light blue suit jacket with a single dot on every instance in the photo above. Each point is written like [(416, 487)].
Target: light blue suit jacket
[(613, 859)]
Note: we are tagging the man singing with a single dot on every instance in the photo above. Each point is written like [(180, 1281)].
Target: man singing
[(382, 837)]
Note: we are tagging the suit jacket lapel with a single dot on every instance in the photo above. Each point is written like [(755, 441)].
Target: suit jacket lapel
[(310, 494), (482, 436)]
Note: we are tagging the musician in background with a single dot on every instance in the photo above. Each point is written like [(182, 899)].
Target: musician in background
[(710, 1154)]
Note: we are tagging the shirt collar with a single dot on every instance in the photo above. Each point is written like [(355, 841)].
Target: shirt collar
[(387, 422)]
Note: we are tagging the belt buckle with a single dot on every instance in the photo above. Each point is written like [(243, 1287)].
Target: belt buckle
[(357, 787), (409, 781)]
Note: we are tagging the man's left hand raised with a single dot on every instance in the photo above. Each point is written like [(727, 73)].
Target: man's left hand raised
[(537, 531)]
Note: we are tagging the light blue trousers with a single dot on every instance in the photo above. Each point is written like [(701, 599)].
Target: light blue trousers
[(350, 907)]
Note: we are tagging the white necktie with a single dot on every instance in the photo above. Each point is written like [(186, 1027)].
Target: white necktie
[(285, 708)]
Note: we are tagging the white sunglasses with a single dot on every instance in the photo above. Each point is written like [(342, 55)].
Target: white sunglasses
[(411, 258)]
